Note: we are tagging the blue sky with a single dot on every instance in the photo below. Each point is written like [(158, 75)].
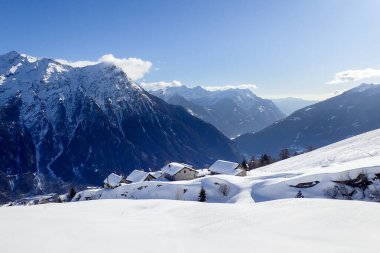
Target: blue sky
[(285, 48)]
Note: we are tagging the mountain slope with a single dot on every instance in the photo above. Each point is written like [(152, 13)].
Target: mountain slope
[(233, 111), (351, 113), (75, 125)]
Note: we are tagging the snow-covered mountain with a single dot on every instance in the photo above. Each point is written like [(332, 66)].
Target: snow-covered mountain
[(351, 113), (60, 124), (289, 105), (233, 111)]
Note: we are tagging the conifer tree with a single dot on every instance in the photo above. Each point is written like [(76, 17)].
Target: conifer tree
[(244, 164), (202, 195), (72, 193), (284, 154)]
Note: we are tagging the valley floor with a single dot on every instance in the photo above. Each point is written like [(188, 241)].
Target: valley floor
[(292, 225)]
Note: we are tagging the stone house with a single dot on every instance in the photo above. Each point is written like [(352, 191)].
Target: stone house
[(178, 171)]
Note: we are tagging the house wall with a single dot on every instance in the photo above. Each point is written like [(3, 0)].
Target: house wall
[(149, 178), (242, 174), (185, 174)]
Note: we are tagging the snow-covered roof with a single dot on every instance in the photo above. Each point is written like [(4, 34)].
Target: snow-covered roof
[(113, 179), (156, 174), (173, 168), (202, 172), (225, 167), (137, 176)]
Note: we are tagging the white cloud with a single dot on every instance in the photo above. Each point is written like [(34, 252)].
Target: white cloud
[(160, 85), (77, 64), (354, 75), (135, 68), (227, 87)]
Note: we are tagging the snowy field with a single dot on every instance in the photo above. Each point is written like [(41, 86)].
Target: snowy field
[(293, 225)]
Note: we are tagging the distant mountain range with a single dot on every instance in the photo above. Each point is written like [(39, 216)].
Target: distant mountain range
[(354, 112), (289, 105), (233, 111), (61, 125)]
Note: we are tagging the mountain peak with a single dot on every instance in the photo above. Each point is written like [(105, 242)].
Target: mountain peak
[(14, 55), (11, 54), (364, 87)]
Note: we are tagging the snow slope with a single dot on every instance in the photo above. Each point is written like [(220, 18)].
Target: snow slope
[(344, 160), (340, 161), (175, 226)]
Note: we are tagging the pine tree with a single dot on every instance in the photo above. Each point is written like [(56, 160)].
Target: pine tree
[(202, 195), (265, 160), (299, 194), (252, 163), (72, 193), (244, 164), (284, 154)]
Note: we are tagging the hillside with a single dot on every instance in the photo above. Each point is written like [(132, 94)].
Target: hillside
[(354, 112), (352, 165)]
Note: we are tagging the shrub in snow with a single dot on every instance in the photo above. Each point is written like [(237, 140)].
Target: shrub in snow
[(340, 191), (348, 186), (374, 194), (78, 197), (299, 195), (202, 195), (224, 189), (331, 192)]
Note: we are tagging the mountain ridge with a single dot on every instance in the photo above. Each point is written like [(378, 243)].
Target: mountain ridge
[(319, 124), (232, 111)]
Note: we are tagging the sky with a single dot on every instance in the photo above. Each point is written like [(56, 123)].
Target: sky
[(308, 49)]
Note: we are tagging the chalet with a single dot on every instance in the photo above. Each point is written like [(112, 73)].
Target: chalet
[(227, 168), (139, 176), (113, 180), (157, 174), (178, 171)]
